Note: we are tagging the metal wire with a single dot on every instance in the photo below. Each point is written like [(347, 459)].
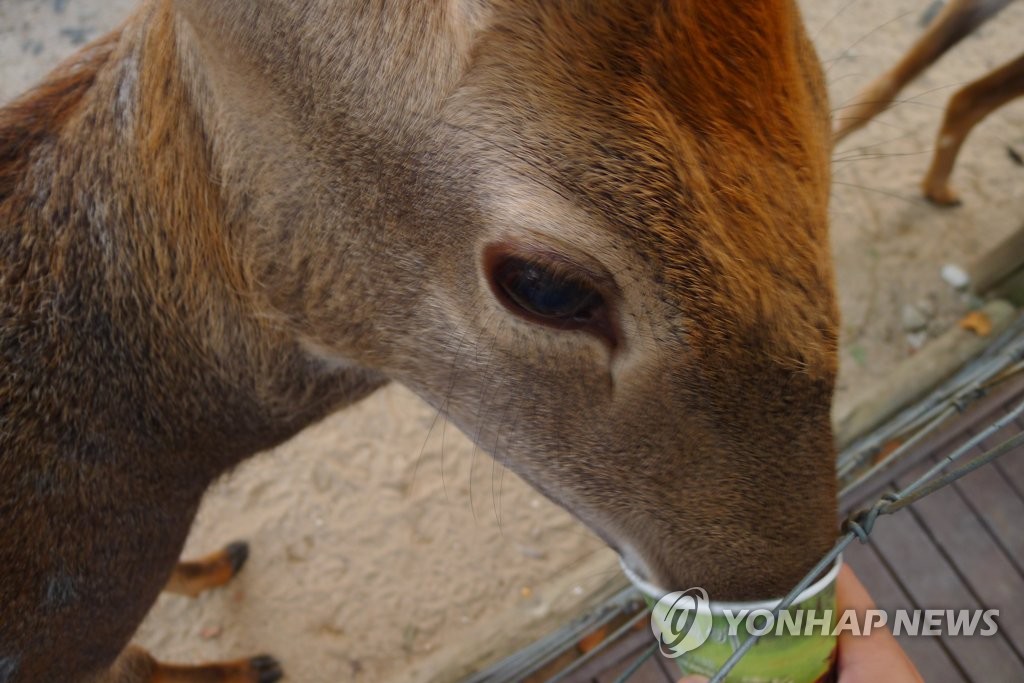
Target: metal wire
[(993, 428), (635, 666), (860, 524), (579, 663), (538, 654)]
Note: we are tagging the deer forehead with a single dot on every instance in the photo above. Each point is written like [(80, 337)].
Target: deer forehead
[(717, 278)]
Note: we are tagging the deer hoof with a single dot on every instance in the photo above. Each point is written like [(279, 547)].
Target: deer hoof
[(265, 669), (238, 554), (942, 195)]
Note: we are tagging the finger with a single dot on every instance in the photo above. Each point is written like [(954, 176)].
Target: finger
[(874, 657)]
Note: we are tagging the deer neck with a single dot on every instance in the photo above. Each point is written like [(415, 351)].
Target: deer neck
[(127, 281)]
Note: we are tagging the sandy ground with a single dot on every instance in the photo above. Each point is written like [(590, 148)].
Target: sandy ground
[(371, 550)]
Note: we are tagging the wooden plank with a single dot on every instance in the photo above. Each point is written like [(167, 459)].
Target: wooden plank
[(1011, 465), (931, 582), (976, 556), (998, 507), (929, 655), (670, 667), (623, 652), (649, 672)]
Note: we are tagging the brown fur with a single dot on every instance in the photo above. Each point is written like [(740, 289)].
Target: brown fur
[(223, 223)]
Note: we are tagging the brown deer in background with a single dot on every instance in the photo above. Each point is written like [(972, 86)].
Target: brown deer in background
[(966, 109), (228, 219)]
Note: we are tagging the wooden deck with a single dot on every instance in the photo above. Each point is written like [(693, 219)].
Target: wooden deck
[(962, 547)]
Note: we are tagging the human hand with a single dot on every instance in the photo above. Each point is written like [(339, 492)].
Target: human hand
[(874, 657)]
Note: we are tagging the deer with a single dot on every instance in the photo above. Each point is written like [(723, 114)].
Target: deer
[(966, 109), (592, 234)]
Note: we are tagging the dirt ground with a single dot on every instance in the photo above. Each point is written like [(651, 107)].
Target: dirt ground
[(371, 550)]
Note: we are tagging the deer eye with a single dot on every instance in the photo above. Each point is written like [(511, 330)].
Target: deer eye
[(545, 294)]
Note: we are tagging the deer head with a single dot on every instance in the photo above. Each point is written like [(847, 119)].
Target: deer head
[(594, 234)]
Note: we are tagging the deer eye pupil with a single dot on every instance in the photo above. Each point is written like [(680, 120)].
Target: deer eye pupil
[(546, 293)]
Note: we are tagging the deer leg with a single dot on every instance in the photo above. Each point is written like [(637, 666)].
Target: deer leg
[(135, 665), (956, 20), (263, 669), (966, 109), (212, 571)]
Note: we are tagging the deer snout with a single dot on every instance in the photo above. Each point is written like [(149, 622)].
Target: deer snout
[(743, 516)]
